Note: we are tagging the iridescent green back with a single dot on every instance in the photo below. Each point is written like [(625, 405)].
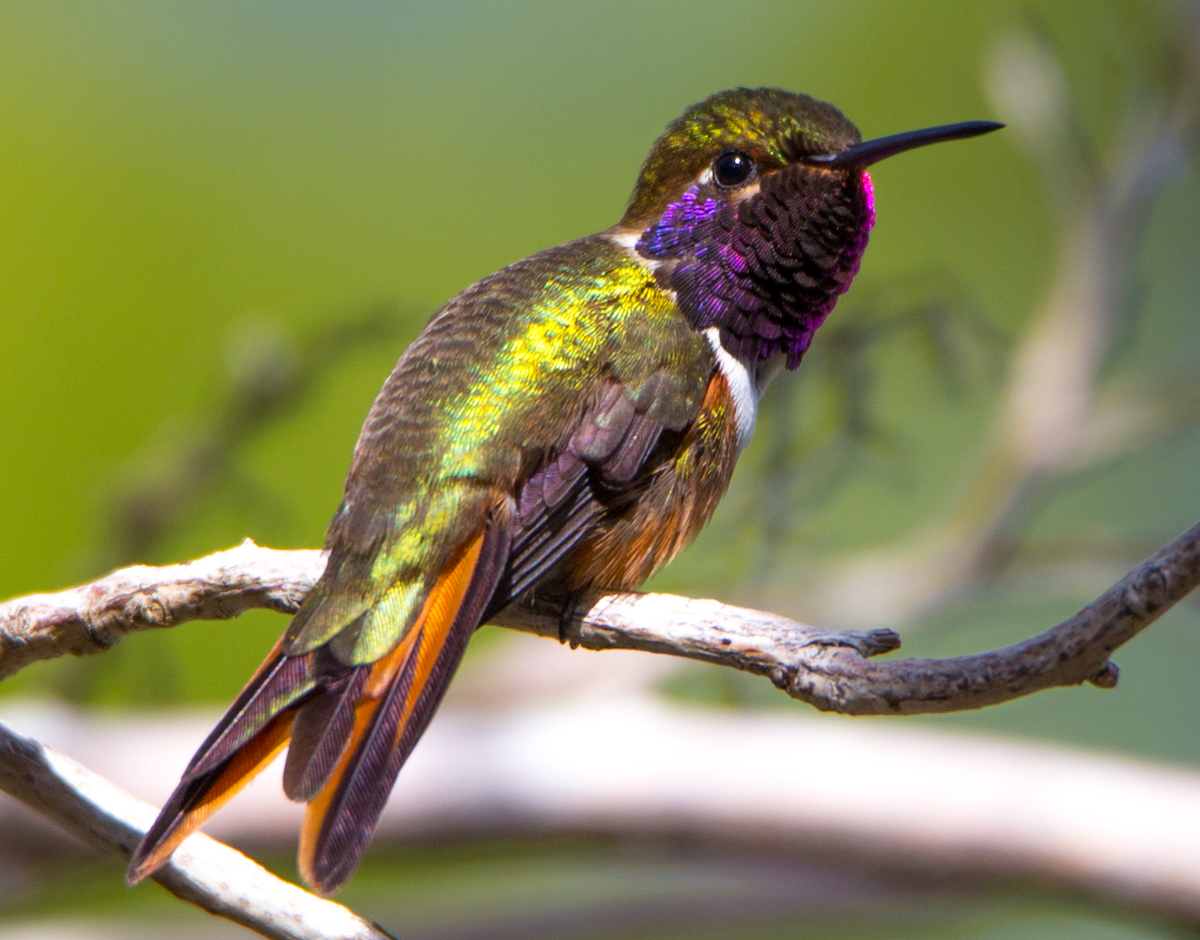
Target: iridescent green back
[(497, 380)]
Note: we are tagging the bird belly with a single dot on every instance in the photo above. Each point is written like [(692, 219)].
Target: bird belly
[(635, 538)]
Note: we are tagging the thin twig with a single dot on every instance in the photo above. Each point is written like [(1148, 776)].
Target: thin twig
[(825, 668), (202, 871)]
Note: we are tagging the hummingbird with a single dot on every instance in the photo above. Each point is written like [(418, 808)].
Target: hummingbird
[(566, 424)]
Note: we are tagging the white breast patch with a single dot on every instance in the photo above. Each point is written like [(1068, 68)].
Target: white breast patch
[(746, 384)]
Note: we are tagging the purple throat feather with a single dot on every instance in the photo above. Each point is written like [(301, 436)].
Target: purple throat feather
[(767, 270)]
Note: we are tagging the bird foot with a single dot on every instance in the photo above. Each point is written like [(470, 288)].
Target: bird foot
[(566, 617)]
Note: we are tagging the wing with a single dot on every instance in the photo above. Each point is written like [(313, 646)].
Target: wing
[(522, 410)]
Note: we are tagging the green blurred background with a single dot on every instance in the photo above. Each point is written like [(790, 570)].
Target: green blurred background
[(189, 190)]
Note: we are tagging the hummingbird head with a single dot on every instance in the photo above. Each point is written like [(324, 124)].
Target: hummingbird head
[(754, 207)]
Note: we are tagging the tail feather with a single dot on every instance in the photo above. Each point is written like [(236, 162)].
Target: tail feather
[(279, 681), (320, 735), (342, 817), (248, 736), (328, 815), (327, 730), (195, 800)]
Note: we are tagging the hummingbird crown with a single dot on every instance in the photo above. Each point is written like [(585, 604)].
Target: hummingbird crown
[(773, 127), (753, 237)]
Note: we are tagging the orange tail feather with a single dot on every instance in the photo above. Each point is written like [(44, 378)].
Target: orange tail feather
[(402, 693), (216, 791)]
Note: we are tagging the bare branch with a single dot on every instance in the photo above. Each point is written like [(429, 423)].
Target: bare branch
[(202, 871), (825, 668), (96, 616), (829, 669)]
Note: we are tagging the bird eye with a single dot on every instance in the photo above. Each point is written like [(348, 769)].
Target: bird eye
[(732, 168)]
